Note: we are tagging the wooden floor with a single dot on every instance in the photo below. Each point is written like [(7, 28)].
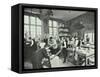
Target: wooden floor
[(55, 62), (58, 62)]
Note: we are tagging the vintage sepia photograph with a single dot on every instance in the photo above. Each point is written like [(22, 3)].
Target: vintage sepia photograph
[(56, 38)]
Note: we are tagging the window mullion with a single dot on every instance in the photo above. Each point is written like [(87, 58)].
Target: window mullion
[(29, 26), (52, 27), (35, 26)]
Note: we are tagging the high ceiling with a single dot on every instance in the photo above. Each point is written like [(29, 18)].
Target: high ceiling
[(59, 14), (67, 15)]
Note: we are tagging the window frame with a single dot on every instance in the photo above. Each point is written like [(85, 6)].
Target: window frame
[(52, 27), (35, 25)]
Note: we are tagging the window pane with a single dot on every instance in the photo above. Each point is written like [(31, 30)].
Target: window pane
[(33, 28), (32, 20), (62, 25), (38, 21), (33, 31), (55, 31), (90, 36), (26, 29), (50, 23), (55, 24), (50, 30), (38, 30), (93, 37), (26, 19)]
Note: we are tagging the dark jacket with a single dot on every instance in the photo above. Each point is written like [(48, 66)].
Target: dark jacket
[(28, 50), (37, 58)]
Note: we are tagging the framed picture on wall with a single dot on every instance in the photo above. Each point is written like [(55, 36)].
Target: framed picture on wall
[(53, 38)]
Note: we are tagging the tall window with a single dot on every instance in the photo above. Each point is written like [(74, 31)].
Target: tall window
[(32, 25), (53, 27)]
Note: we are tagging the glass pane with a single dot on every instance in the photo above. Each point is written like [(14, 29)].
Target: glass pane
[(55, 31), (50, 23), (93, 37), (33, 28), (90, 36), (32, 20), (50, 30), (32, 34), (38, 21), (26, 29), (26, 19), (62, 25), (85, 36), (38, 30), (55, 24), (33, 31)]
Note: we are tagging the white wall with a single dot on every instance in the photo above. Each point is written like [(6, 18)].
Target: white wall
[(5, 40)]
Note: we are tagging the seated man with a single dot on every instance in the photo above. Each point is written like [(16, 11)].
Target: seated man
[(53, 46), (51, 42), (29, 48), (40, 58)]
